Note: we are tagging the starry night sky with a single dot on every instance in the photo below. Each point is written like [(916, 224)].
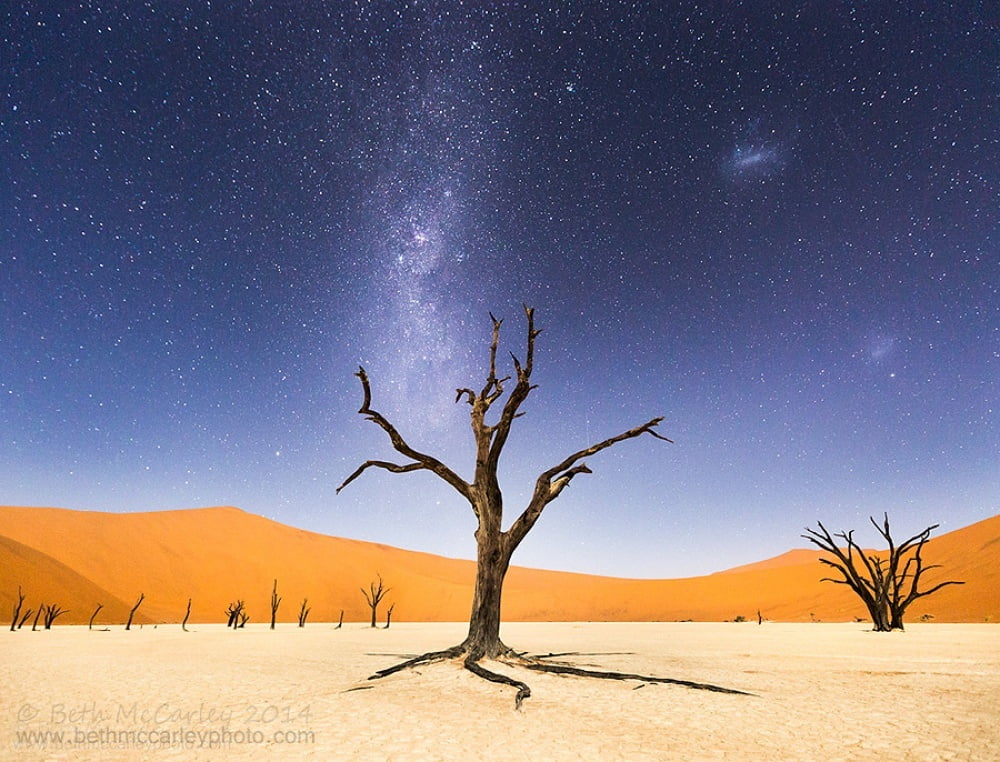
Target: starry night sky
[(773, 223)]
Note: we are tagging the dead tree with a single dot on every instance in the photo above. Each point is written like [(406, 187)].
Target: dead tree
[(38, 615), (340, 623), (374, 596), (51, 612), (24, 618), (17, 609), (128, 624), (303, 612), (234, 612), (187, 615), (886, 583), (388, 616), (494, 544), (90, 624), (275, 602), (238, 616)]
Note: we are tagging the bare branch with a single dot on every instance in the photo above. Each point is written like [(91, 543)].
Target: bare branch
[(422, 460), (836, 581), (562, 481), (917, 562), (646, 428), (938, 587), (494, 386), (394, 467), (501, 430), (552, 482)]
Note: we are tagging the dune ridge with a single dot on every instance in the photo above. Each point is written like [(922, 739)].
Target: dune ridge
[(78, 559)]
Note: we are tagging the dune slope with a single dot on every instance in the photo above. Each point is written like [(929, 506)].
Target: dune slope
[(217, 555)]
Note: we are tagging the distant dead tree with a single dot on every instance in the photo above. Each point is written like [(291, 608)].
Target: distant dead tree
[(340, 623), (886, 583), (187, 615), (494, 544), (51, 612), (374, 596), (275, 602), (128, 624), (234, 612), (244, 618), (303, 612), (388, 616), (38, 615), (17, 609), (90, 624), (24, 618)]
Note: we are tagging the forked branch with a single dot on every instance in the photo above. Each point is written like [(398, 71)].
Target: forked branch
[(552, 482), (501, 431), (422, 461)]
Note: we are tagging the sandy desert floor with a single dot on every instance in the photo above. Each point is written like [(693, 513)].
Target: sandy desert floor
[(821, 692)]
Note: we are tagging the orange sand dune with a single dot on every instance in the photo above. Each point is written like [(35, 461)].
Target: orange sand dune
[(51, 582), (216, 555)]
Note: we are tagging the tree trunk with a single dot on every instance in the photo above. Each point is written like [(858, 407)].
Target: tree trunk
[(876, 610), (483, 640), (896, 620), (275, 602), (17, 609), (880, 622), (142, 597)]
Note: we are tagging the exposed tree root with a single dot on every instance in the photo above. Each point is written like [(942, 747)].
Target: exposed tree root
[(427, 658), (539, 664), (523, 691), (567, 669), (555, 655)]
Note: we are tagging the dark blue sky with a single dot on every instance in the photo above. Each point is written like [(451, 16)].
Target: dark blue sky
[(775, 224)]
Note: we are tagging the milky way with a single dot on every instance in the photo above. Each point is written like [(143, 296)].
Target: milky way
[(774, 224)]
